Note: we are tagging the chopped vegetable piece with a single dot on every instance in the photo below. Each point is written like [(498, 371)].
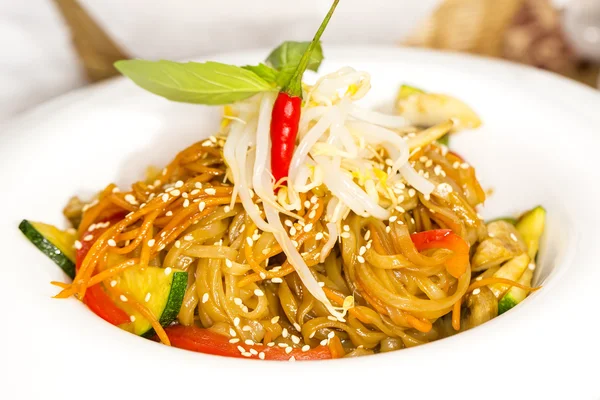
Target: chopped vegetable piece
[(428, 109), (503, 243), (56, 244), (205, 341), (512, 270), (445, 239), (516, 295), (531, 227)]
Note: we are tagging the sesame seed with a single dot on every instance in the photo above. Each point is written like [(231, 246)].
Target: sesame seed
[(188, 238), (388, 229), (307, 204), (168, 271), (345, 235), (241, 349), (234, 340), (132, 318), (87, 238), (331, 335), (531, 266), (476, 291), (412, 192), (249, 241), (261, 355), (254, 352), (285, 333), (288, 350), (323, 342), (292, 359), (123, 298), (297, 326), (178, 184), (78, 245), (113, 283), (514, 237), (271, 344), (283, 345), (319, 236), (295, 339), (165, 197), (277, 280), (226, 209), (275, 320), (479, 278), (147, 298), (306, 348), (308, 227), (346, 228), (393, 218), (186, 203), (175, 193), (177, 244), (205, 298), (130, 199), (246, 328), (151, 242), (464, 166), (228, 263), (360, 259), (292, 231), (236, 321), (249, 342), (321, 284), (237, 301), (362, 250), (112, 243), (211, 191)]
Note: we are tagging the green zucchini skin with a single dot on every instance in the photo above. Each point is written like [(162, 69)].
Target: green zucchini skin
[(174, 302), (48, 248)]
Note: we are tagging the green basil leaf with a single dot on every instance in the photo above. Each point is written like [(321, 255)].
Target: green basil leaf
[(264, 71), (286, 58), (210, 83)]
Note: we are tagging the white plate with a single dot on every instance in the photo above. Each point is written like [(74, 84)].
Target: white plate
[(539, 145)]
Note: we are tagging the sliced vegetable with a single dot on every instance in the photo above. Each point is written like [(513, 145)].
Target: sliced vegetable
[(516, 295), (165, 287), (428, 109), (503, 243), (512, 270), (56, 244), (531, 227), (445, 239), (205, 341), (158, 289), (481, 307)]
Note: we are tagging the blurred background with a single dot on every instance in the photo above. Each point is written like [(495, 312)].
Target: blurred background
[(53, 46)]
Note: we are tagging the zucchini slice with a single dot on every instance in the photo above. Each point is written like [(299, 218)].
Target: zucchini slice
[(161, 290), (531, 227), (512, 270), (56, 244), (515, 295)]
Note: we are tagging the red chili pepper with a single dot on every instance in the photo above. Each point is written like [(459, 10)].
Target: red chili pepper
[(205, 341), (95, 297), (445, 239), (287, 108)]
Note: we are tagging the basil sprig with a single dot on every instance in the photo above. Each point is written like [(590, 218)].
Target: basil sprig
[(214, 83)]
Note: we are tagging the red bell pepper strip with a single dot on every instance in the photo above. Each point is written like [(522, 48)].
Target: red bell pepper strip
[(445, 239), (95, 298), (205, 341), (285, 116)]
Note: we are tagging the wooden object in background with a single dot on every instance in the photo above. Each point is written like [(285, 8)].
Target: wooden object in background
[(97, 51), (525, 31)]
